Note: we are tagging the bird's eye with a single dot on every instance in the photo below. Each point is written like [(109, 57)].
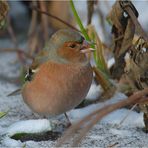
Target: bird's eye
[(72, 45)]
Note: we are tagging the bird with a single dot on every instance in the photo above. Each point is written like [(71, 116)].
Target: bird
[(60, 75)]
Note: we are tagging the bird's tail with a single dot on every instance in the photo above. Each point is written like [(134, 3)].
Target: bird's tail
[(16, 92)]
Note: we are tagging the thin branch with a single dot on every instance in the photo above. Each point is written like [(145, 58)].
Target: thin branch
[(33, 23), (54, 17), (44, 19), (98, 115), (126, 116), (12, 33)]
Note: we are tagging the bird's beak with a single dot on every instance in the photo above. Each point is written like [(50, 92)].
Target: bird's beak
[(85, 48)]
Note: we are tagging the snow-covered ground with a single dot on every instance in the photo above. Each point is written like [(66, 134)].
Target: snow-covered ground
[(20, 118), (104, 134)]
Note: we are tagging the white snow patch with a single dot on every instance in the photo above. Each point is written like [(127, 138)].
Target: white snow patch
[(94, 92), (8, 142), (120, 132), (77, 114), (29, 126), (134, 119), (96, 137), (127, 56), (110, 62)]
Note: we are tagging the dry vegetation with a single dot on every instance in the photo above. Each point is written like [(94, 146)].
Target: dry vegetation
[(130, 51)]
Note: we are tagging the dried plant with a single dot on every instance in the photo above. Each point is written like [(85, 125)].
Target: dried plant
[(3, 12), (123, 17), (90, 120)]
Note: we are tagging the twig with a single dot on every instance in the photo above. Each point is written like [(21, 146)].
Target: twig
[(54, 17), (113, 145), (126, 116), (44, 20), (11, 32), (98, 115), (33, 33), (33, 21), (102, 20)]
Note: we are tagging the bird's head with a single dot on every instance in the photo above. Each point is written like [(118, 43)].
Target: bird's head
[(68, 45)]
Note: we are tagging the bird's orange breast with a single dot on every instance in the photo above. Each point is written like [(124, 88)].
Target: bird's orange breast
[(57, 88)]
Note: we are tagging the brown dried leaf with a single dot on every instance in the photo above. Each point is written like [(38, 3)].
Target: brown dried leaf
[(137, 71), (123, 30), (114, 16), (101, 79), (137, 65), (3, 9), (128, 37), (132, 12)]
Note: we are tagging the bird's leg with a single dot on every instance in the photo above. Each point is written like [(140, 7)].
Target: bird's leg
[(69, 123)]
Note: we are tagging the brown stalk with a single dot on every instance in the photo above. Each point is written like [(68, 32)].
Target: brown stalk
[(14, 40), (102, 20), (54, 17), (90, 10), (126, 116), (98, 115), (100, 78), (12, 33), (44, 20), (33, 20), (33, 33)]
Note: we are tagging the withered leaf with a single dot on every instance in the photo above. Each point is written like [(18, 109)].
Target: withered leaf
[(123, 30), (3, 12)]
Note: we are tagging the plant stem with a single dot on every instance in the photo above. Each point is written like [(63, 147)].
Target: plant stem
[(83, 30), (97, 59)]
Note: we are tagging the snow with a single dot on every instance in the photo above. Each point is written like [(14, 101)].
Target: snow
[(94, 92), (77, 114), (106, 132), (120, 132), (8, 142), (110, 62), (29, 126), (134, 119)]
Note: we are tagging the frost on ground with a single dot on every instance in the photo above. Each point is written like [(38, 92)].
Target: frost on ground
[(29, 126), (107, 132)]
